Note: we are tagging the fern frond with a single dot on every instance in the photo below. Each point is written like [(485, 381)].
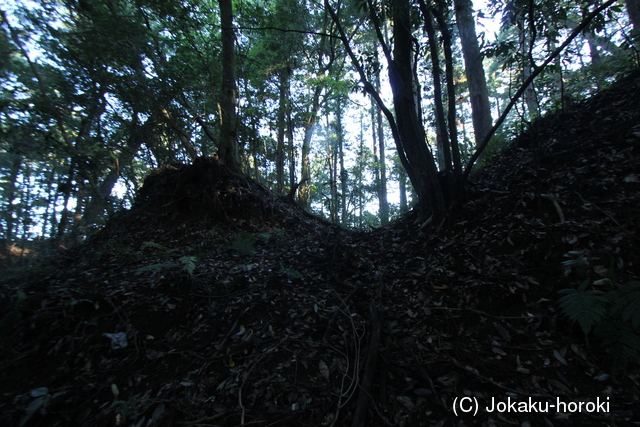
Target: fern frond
[(153, 245), (626, 302), (189, 264), (155, 268), (588, 307), (620, 342)]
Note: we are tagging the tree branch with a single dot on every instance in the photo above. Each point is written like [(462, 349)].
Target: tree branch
[(286, 30), (368, 87), (527, 82)]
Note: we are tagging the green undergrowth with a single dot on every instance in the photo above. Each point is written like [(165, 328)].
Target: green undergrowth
[(607, 311)]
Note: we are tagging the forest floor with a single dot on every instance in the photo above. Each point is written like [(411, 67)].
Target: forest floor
[(213, 302)]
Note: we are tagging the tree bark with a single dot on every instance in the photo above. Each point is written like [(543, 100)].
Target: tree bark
[(228, 149), (343, 171), (478, 92), (383, 201), (281, 125), (452, 183), (422, 171), (402, 188), (304, 195), (445, 150), (292, 148)]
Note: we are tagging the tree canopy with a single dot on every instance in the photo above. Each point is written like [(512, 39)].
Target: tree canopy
[(337, 103)]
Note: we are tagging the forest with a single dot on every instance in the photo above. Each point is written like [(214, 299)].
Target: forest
[(95, 95), (305, 212)]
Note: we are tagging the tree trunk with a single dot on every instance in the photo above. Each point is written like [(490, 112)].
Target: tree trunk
[(49, 180), (530, 96), (66, 188), (452, 183), (282, 105), (343, 172), (402, 187), (185, 141), (633, 9), (9, 195), (228, 149), (304, 192), (422, 168), (361, 166), (99, 200), (26, 208), (376, 169), (335, 203), (292, 149), (479, 94), (443, 136), (382, 186), (333, 177), (406, 126)]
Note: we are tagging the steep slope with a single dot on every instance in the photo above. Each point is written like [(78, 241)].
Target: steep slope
[(238, 308)]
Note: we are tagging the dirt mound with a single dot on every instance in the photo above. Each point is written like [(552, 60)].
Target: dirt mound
[(206, 190)]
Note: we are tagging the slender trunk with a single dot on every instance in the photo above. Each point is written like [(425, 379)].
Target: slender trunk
[(335, 203), (343, 172), (530, 97), (76, 224), (228, 149), (333, 180), (478, 92), (283, 82), (383, 202), (49, 177), (66, 188), (332, 176), (292, 149), (304, 192), (361, 163), (254, 141), (596, 59), (9, 195), (443, 135), (406, 127), (451, 92), (26, 208), (185, 140), (376, 168), (98, 202)]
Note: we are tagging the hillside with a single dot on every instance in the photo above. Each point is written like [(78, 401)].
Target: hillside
[(214, 302)]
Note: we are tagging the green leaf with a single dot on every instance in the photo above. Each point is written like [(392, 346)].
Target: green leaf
[(155, 268), (587, 308), (619, 341), (626, 302), (189, 264), (244, 244), (153, 245)]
